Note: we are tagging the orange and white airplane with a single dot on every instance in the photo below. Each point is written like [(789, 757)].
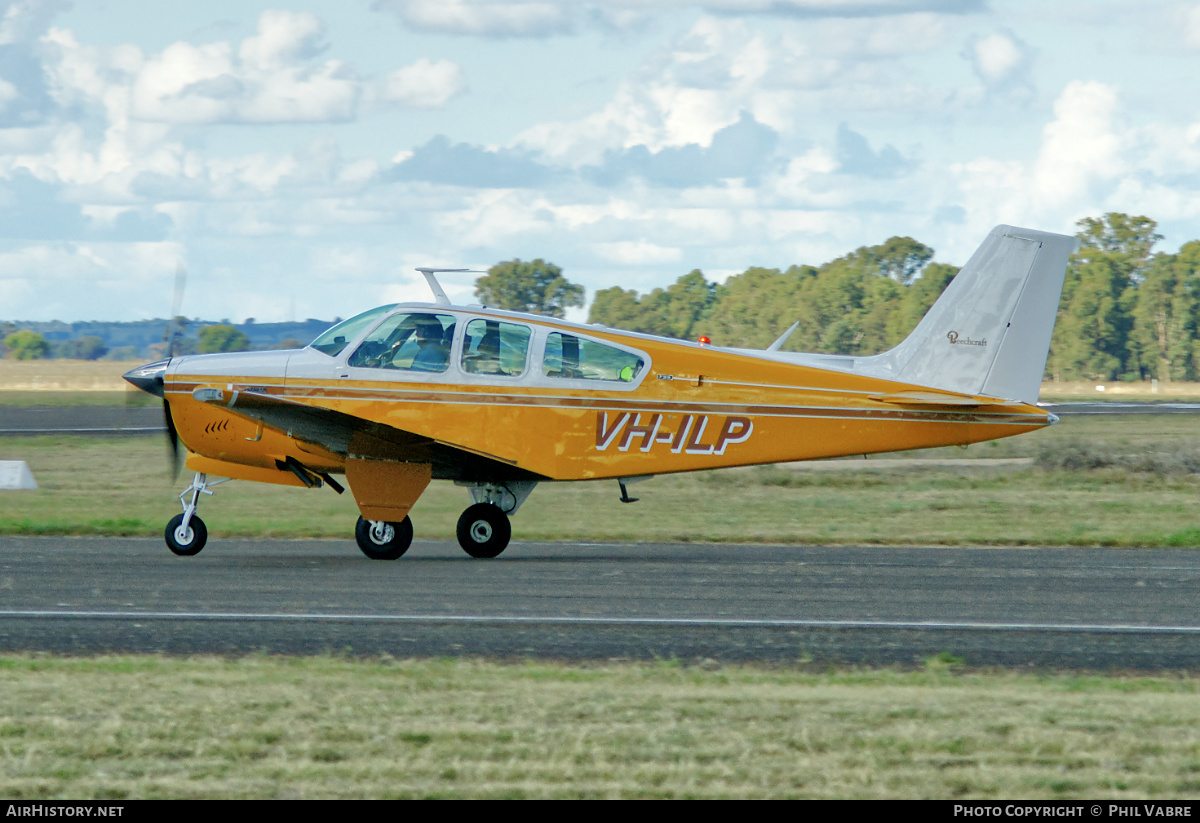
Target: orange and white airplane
[(499, 401)]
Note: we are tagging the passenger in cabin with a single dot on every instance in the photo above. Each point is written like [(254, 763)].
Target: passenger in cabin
[(488, 361)]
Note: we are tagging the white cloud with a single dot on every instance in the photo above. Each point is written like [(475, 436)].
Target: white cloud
[(1191, 28), (268, 80), (8, 93), (23, 20), (786, 77), (269, 212), (1004, 63), (638, 253), (1080, 146), (839, 8), (544, 18), (495, 18), (44, 282), (283, 38), (997, 57), (426, 84), (711, 74)]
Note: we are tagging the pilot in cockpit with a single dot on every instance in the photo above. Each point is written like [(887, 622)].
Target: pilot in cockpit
[(434, 348)]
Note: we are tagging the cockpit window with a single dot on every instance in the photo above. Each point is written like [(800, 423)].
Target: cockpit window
[(337, 338), (495, 348), (575, 358), (410, 342)]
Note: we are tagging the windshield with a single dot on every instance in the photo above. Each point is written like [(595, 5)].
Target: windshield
[(412, 342), (334, 340)]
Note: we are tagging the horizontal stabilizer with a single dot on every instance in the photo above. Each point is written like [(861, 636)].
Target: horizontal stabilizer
[(918, 398)]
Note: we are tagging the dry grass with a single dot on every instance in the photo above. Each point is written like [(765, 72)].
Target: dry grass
[(63, 375), (327, 727), (1120, 392)]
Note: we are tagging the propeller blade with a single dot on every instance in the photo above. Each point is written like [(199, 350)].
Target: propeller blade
[(172, 439), (174, 325)]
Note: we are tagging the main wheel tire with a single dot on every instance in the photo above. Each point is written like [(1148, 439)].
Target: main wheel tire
[(484, 530), (383, 541), (186, 543)]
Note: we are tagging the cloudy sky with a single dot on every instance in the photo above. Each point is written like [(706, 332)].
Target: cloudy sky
[(300, 158)]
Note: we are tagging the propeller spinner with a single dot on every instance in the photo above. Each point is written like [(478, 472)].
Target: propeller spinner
[(149, 378)]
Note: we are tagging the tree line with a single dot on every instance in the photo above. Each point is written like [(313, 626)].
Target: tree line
[(25, 344), (148, 339), (1127, 312)]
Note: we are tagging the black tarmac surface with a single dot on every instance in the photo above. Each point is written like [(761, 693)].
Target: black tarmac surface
[(1047, 608)]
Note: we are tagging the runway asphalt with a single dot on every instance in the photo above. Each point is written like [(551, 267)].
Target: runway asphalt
[(1050, 608)]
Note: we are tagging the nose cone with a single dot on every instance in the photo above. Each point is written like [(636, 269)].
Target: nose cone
[(149, 378)]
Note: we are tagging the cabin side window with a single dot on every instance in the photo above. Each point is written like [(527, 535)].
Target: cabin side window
[(495, 348), (408, 342), (575, 358)]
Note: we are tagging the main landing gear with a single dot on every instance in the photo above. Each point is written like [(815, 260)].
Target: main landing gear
[(380, 540), (483, 531)]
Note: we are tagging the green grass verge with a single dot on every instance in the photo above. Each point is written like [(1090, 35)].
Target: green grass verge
[(1102, 481), (260, 727)]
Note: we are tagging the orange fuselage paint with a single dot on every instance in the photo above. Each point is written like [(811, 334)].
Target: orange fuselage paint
[(696, 408)]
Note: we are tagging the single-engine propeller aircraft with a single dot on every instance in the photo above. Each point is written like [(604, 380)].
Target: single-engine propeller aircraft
[(500, 401)]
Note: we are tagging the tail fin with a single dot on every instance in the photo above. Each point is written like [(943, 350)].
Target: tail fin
[(989, 332)]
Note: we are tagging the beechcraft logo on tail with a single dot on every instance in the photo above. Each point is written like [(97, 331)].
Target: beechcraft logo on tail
[(957, 339), (694, 433)]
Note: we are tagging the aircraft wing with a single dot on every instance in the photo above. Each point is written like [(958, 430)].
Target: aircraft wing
[(346, 434)]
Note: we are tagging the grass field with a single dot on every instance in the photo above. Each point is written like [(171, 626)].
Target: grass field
[(1127, 481), (327, 727)]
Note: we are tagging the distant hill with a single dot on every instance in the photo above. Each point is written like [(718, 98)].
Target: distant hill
[(144, 338)]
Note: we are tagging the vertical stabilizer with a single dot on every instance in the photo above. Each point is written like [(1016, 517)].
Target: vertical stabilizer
[(989, 332)]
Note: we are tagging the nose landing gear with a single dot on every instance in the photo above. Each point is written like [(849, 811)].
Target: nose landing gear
[(186, 533)]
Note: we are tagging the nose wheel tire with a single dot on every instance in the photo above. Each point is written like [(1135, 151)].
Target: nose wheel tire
[(186, 542), (484, 530), (380, 540)]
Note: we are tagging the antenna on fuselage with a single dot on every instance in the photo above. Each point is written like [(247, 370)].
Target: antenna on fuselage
[(439, 295), (779, 341)]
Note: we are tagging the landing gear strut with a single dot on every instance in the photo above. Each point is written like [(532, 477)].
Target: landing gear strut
[(186, 533)]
